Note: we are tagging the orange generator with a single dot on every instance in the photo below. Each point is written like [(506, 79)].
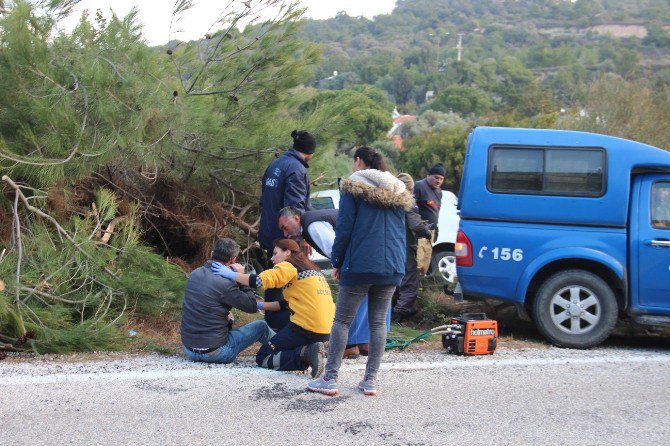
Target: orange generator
[(471, 334)]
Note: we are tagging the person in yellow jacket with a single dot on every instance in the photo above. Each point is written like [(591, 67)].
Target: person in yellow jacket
[(307, 296)]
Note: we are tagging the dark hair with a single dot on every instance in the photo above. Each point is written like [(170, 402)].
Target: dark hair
[(371, 158), (298, 258), (289, 211), (225, 249), (303, 141)]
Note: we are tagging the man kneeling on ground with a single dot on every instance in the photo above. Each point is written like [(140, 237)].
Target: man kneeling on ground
[(206, 320), (307, 297)]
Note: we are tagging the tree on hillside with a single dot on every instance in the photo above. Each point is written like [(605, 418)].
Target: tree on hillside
[(445, 146), (463, 100), (357, 115), (631, 110), (431, 121), (657, 35)]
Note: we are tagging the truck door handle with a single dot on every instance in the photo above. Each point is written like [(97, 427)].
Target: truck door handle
[(663, 243)]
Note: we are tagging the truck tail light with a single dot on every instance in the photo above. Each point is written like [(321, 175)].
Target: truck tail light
[(463, 249)]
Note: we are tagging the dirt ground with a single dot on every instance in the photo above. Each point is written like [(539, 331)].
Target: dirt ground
[(155, 334)]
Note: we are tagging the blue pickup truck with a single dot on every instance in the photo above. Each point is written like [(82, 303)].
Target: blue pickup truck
[(571, 227)]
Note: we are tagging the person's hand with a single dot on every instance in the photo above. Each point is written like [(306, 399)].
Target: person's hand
[(237, 267), (224, 271), (336, 274), (306, 248), (231, 318)]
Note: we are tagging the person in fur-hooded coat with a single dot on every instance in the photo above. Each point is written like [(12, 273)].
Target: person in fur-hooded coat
[(368, 257), (370, 244)]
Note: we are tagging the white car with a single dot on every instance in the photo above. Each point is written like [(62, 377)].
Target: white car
[(443, 261)]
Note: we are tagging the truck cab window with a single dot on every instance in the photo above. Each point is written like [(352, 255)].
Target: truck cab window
[(660, 205)]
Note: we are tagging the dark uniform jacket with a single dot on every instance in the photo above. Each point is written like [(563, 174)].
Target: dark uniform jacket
[(285, 183), (429, 201)]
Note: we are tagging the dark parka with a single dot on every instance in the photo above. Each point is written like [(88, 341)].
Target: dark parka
[(285, 183), (369, 244)]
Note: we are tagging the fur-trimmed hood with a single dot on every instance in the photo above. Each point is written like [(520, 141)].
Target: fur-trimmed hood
[(378, 188)]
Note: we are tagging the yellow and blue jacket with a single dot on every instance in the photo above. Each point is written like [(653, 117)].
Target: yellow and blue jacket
[(306, 293)]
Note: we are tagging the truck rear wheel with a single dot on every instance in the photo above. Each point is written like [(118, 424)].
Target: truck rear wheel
[(443, 265), (575, 309)]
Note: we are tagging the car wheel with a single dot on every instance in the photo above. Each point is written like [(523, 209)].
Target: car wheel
[(575, 309), (443, 265)]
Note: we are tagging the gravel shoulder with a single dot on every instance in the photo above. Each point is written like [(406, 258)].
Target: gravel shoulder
[(17, 368)]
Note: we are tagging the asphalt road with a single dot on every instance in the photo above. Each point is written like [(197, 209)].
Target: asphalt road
[(536, 396)]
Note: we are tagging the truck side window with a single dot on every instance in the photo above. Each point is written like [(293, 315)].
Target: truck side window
[(660, 205), (516, 170), (547, 171)]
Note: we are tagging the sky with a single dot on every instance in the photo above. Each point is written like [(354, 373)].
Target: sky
[(155, 20)]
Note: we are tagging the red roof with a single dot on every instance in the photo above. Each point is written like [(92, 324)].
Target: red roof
[(404, 118)]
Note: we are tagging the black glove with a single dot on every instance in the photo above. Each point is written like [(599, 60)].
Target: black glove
[(432, 226)]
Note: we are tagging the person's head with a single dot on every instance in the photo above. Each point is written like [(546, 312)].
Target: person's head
[(408, 180), (304, 142), (436, 175), (225, 250), (289, 221), (368, 158), (287, 250)]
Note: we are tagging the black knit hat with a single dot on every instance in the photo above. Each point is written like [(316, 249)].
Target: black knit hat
[(437, 169), (303, 141)]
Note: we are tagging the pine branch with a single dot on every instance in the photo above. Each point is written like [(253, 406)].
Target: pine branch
[(53, 221), (75, 149), (19, 244)]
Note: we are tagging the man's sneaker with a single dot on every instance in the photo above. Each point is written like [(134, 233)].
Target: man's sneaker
[(327, 386), (314, 355), (368, 386)]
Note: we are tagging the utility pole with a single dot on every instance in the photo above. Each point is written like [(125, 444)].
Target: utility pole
[(459, 46)]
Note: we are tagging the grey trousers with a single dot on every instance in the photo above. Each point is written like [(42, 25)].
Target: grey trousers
[(348, 300)]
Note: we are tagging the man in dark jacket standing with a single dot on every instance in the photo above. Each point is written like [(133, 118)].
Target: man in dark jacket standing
[(428, 195), (285, 183), (415, 228), (206, 319)]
